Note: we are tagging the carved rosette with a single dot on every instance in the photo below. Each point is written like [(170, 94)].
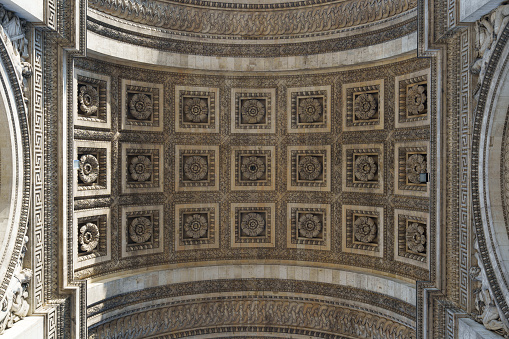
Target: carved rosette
[(89, 169), (416, 164), (310, 168), (195, 168), (365, 106), (140, 168), (309, 226), (365, 229), (196, 226), (252, 224), (196, 110), (140, 106), (140, 230), (252, 168), (416, 238), (416, 97), (88, 237), (88, 99), (253, 111), (310, 110), (365, 168)]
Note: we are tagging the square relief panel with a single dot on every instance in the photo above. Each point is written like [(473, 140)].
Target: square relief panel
[(91, 99), (309, 109), (197, 226), (253, 110), (363, 106), (363, 168), (411, 237), (309, 226), (142, 168), (253, 168), (363, 231), (411, 159), (309, 168), (412, 105), (142, 106), (196, 109), (197, 168), (142, 230), (93, 176), (252, 225), (92, 237)]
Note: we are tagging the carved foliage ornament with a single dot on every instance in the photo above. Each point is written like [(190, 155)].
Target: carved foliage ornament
[(416, 237), (252, 224), (309, 225), (252, 168), (140, 230), (196, 109), (416, 164), (310, 168), (140, 168), (365, 229), (140, 106), (88, 99), (195, 168), (415, 99), (310, 110), (365, 106), (365, 168), (196, 226), (253, 111), (88, 237), (89, 169)]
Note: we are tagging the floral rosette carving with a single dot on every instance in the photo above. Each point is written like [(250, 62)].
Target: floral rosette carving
[(253, 111), (365, 229), (415, 237), (195, 226), (88, 100), (252, 224), (88, 237), (89, 169), (310, 168), (416, 164), (415, 99), (365, 168), (196, 109), (140, 230), (140, 168), (140, 106), (252, 168), (365, 106), (310, 110), (309, 226), (195, 168)]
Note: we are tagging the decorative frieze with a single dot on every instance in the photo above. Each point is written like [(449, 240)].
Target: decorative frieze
[(363, 106), (309, 168), (363, 168), (412, 104), (93, 175), (196, 109), (411, 160), (308, 226), (309, 109), (363, 230), (142, 168), (196, 168), (92, 237), (91, 99), (141, 106), (142, 230), (253, 110), (411, 237), (196, 226), (253, 168), (252, 225)]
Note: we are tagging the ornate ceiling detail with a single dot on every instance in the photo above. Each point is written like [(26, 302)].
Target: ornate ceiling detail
[(230, 22)]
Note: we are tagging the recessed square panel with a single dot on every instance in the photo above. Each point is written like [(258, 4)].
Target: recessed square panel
[(411, 237), (411, 159), (253, 168), (309, 168), (196, 226), (93, 175), (363, 230), (309, 109), (363, 168), (142, 230), (142, 106), (363, 106), (91, 99), (92, 237), (412, 104), (142, 168), (252, 225), (253, 110), (196, 168), (196, 109), (308, 226)]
